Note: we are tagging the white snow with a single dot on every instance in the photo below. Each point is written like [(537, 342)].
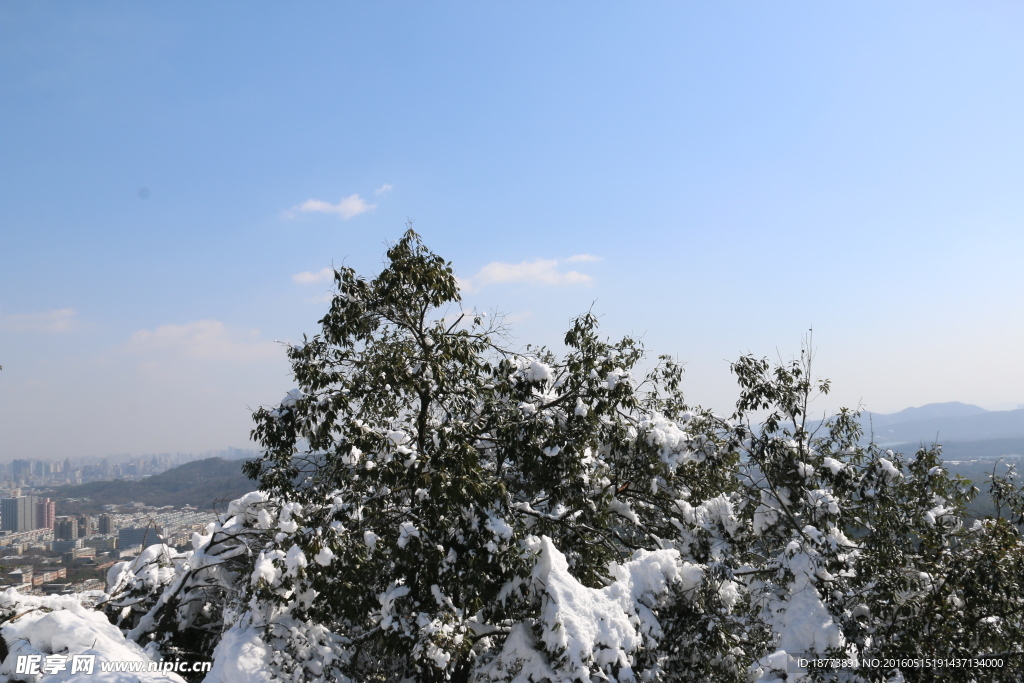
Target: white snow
[(398, 437), (387, 604), (537, 372), (61, 625), (890, 470), (295, 560), (291, 398), (499, 527), (614, 377), (406, 531), (154, 566), (581, 408), (324, 557), (591, 629), (241, 656), (834, 465), (353, 456), (799, 617), (265, 568), (672, 442)]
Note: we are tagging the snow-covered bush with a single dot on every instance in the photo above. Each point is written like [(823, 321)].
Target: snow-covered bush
[(71, 641), (176, 601), (434, 506)]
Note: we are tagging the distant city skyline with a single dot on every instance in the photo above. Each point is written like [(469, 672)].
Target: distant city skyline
[(177, 181), (14, 470)]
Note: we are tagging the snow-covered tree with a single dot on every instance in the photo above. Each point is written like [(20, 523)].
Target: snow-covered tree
[(436, 483), (434, 505)]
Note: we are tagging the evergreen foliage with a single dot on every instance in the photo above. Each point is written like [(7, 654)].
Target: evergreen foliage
[(434, 506)]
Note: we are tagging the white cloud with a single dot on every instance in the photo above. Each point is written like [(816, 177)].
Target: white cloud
[(61, 320), (350, 206), (580, 258), (513, 318), (536, 272), (308, 277), (384, 189), (208, 340)]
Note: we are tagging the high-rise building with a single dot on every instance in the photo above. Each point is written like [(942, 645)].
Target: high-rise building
[(18, 514), (86, 526), (21, 469), (66, 529), (106, 525), (46, 513), (9, 514)]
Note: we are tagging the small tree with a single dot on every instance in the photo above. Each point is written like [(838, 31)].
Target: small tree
[(846, 549)]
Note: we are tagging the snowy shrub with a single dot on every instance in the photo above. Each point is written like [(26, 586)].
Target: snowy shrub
[(59, 630), (182, 602)]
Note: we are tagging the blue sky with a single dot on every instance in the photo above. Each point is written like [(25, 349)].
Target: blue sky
[(739, 172)]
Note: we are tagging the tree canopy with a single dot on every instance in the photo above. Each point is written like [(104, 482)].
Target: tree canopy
[(434, 505)]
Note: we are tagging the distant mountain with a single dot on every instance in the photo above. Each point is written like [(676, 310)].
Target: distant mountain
[(199, 483), (944, 422), (928, 412)]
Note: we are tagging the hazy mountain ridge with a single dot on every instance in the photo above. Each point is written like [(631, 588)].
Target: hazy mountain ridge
[(952, 409), (199, 483), (942, 422)]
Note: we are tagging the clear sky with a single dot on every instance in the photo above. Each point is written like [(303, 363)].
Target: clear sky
[(175, 176)]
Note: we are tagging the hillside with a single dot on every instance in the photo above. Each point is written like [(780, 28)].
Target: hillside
[(200, 483)]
